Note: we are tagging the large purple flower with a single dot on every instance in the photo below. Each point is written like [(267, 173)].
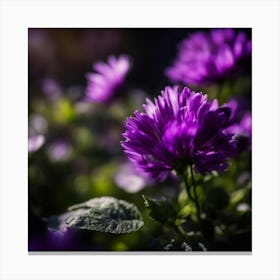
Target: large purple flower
[(208, 57), (180, 128), (108, 79)]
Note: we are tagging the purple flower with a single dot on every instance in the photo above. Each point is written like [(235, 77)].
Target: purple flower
[(108, 79), (180, 128), (208, 57), (60, 151), (130, 179), (242, 128), (240, 124), (37, 124), (51, 88), (246, 125), (35, 142)]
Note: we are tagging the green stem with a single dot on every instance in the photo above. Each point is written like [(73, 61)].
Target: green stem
[(195, 196), (188, 188)]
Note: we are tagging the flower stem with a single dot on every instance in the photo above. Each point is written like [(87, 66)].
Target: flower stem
[(195, 196), (188, 188)]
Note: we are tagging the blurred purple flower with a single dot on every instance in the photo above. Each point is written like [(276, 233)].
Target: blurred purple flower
[(180, 128), (60, 151), (51, 88), (59, 240), (37, 124), (35, 142), (208, 57), (108, 79), (130, 179), (48, 234), (244, 127), (240, 124)]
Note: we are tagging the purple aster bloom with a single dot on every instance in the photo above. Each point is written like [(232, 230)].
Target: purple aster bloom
[(108, 79), (209, 57), (178, 129)]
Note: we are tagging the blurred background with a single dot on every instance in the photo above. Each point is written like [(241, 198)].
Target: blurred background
[(78, 156)]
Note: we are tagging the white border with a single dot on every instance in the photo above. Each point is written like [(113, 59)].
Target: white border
[(17, 16)]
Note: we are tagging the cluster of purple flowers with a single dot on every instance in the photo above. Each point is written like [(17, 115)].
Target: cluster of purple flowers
[(209, 57), (181, 127)]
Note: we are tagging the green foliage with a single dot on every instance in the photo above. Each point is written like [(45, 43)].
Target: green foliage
[(161, 210), (105, 214), (63, 112)]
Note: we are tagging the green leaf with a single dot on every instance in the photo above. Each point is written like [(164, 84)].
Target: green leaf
[(239, 196), (161, 209), (105, 214)]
